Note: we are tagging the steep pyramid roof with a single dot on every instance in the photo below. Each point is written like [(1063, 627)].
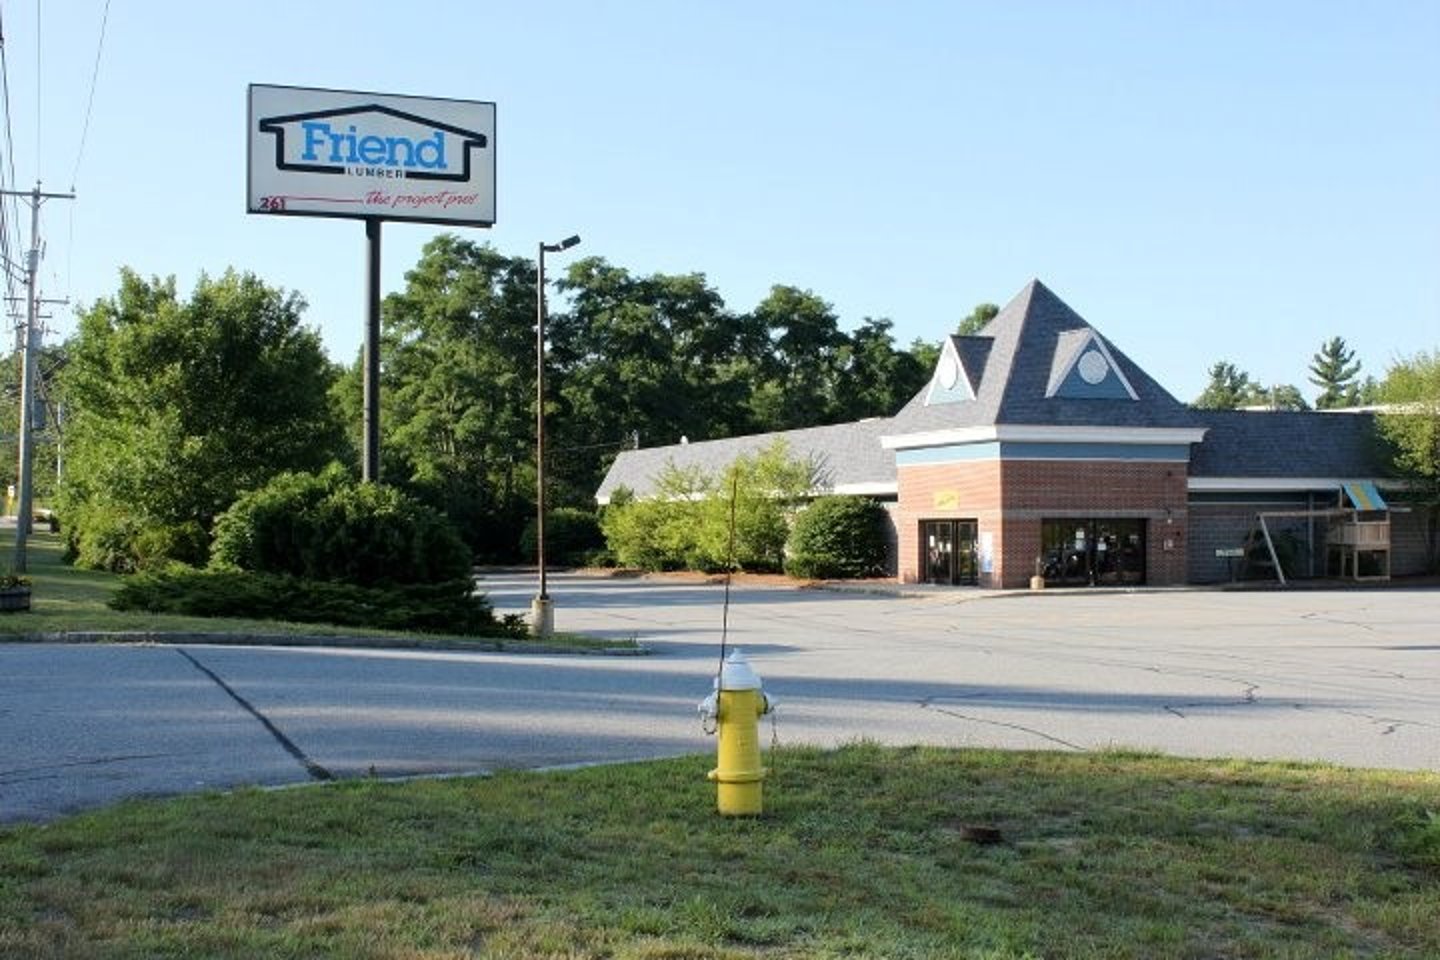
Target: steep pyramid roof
[(1045, 366)]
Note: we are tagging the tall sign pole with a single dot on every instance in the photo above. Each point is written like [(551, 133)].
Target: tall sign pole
[(27, 375), (370, 466), (542, 617)]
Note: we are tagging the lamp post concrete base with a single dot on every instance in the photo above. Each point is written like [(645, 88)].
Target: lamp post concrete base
[(542, 617)]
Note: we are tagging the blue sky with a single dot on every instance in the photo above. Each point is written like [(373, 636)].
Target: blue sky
[(1199, 181)]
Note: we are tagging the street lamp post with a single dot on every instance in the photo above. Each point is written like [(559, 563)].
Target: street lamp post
[(542, 609)]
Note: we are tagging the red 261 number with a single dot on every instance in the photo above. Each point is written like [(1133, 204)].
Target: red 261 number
[(271, 204)]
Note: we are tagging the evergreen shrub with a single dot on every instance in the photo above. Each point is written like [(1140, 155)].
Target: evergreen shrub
[(445, 607), (327, 527)]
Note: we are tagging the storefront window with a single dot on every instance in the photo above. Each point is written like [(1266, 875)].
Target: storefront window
[(1093, 551)]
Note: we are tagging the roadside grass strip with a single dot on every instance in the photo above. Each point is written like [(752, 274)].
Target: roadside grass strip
[(862, 852)]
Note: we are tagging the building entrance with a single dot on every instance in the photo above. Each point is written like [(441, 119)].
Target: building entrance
[(947, 551), (1093, 552)]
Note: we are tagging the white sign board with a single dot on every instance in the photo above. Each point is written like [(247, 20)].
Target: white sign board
[(337, 153)]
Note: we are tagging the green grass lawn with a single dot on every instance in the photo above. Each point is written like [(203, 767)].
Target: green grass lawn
[(861, 853), (68, 600)]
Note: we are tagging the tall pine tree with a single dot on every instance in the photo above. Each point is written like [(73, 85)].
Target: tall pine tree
[(1335, 370)]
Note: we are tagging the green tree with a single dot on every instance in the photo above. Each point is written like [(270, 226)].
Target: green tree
[(1283, 396), (176, 407), (1334, 370), (926, 354), (1411, 427), (1367, 392), (880, 378), (1229, 388), (803, 373), (659, 356), (459, 388), (978, 318)]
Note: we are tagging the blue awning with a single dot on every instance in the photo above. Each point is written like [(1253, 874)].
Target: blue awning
[(1365, 496)]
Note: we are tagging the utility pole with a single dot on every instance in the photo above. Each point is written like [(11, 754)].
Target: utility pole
[(27, 370)]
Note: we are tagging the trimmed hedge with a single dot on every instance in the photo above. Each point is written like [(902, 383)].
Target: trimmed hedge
[(447, 607), (838, 538)]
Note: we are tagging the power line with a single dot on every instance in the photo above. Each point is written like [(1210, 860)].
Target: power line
[(90, 101), (38, 75), (9, 219)]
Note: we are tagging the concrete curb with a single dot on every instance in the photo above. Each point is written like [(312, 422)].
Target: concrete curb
[(164, 638)]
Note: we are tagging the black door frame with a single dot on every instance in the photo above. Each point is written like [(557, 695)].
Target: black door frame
[(961, 561)]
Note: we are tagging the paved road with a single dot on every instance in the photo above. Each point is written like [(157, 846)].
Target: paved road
[(1350, 677)]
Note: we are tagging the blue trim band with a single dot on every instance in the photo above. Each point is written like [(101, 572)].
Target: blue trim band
[(963, 452)]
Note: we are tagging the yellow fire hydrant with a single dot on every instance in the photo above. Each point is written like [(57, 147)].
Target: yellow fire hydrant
[(734, 711)]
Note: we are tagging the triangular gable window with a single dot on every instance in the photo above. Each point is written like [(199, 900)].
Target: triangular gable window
[(951, 382), (1085, 370)]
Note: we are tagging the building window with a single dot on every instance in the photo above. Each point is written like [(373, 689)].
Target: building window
[(1092, 551)]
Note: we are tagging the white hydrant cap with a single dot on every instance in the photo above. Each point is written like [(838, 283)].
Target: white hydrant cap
[(737, 674)]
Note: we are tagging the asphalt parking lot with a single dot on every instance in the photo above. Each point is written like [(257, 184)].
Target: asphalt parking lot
[(1345, 676), (1348, 677)]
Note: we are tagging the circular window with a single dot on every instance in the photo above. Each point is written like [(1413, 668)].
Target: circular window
[(949, 372), (1093, 367)]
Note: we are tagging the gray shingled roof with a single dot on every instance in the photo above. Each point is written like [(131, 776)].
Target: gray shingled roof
[(847, 453), (1010, 362), (1024, 337), (1241, 443)]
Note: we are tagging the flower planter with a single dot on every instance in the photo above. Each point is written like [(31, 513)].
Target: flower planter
[(14, 598)]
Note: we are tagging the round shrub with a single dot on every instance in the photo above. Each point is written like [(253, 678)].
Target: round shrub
[(836, 538), (103, 538), (328, 527)]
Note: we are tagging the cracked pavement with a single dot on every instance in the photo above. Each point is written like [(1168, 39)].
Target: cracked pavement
[(1349, 677)]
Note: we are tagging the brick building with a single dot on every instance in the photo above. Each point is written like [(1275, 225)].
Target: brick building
[(1038, 447)]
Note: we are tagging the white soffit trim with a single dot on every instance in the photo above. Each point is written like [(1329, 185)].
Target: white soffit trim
[(872, 488), (1043, 434), (1264, 484)]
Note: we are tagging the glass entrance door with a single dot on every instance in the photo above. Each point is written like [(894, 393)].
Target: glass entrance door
[(947, 551), (1119, 552)]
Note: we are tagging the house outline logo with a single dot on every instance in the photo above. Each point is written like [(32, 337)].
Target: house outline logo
[(355, 141)]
